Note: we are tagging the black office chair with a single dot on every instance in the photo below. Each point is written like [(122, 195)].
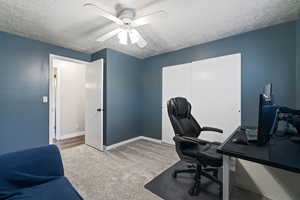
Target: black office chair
[(198, 153)]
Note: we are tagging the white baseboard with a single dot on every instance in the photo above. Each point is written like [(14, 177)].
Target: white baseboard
[(71, 135), (150, 139), (107, 148)]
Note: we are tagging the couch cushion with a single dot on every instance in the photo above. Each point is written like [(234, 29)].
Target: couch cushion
[(59, 188), (28, 168)]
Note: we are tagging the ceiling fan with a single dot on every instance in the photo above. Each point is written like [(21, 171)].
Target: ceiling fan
[(127, 21)]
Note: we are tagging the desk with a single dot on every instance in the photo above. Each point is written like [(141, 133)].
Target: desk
[(280, 153)]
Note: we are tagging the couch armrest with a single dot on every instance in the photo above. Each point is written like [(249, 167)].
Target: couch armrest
[(29, 167)]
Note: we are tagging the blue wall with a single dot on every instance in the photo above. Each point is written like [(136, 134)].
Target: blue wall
[(24, 77), (298, 64), (123, 96), (268, 55)]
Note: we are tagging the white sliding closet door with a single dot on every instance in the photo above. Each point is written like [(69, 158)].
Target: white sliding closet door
[(175, 84), (213, 86), (216, 94)]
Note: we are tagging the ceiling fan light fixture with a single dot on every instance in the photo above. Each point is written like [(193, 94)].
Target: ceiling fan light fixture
[(127, 22), (123, 37), (134, 36), (142, 43)]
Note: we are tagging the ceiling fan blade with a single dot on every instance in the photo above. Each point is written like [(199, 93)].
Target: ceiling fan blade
[(141, 41), (149, 18), (108, 35), (103, 13)]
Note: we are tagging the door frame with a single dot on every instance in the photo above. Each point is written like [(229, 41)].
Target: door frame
[(52, 90)]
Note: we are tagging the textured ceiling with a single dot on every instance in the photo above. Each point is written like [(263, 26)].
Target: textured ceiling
[(66, 23)]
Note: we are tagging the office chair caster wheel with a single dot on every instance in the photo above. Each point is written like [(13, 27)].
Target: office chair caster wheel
[(195, 190), (174, 174)]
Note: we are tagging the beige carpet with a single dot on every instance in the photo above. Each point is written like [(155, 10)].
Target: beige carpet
[(121, 174)]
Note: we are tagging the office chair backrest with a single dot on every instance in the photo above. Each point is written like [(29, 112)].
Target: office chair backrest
[(184, 124)]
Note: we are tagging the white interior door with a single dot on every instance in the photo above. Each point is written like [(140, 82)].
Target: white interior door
[(94, 104), (213, 86), (216, 96), (175, 84)]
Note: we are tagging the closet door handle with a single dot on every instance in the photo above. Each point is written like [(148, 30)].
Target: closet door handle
[(99, 110)]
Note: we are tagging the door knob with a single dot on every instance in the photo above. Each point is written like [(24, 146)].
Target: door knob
[(99, 110)]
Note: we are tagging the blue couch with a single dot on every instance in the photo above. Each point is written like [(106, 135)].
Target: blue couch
[(35, 174)]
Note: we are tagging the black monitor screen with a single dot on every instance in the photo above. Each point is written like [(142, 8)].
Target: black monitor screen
[(266, 119)]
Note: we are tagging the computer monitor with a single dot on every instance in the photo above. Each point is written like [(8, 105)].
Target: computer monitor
[(266, 119)]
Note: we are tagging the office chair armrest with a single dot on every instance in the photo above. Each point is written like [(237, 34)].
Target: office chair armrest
[(212, 129), (185, 139)]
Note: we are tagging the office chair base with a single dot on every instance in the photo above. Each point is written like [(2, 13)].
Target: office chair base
[(199, 171), (189, 171), (195, 190)]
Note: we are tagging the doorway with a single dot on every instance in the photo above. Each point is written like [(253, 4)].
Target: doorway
[(75, 97)]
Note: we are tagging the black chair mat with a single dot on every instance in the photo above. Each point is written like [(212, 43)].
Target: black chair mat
[(169, 188)]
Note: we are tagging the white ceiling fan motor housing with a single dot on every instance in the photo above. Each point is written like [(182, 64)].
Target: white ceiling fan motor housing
[(126, 15)]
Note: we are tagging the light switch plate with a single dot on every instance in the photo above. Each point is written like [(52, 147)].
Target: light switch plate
[(45, 99)]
